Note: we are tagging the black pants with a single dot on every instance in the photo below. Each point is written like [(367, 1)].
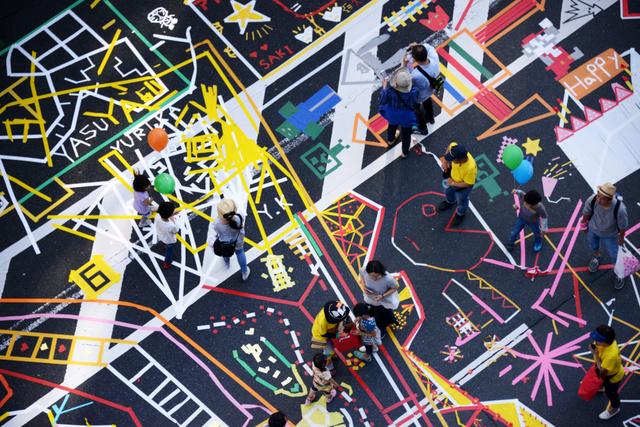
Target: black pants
[(369, 349), (611, 391), (424, 113), (384, 317), (405, 132)]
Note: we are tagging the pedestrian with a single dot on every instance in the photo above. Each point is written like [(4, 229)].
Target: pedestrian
[(166, 229), (142, 202), (533, 215), (397, 106), (460, 171), (424, 63), (606, 355), (322, 380), (329, 323), (380, 290), (228, 230), (606, 221), (277, 419), (366, 327)]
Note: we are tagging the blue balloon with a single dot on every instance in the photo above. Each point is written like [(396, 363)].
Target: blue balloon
[(523, 173)]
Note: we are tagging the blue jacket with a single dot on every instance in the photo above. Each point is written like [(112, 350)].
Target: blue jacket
[(397, 107)]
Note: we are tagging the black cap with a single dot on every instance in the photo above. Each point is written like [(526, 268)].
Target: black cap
[(336, 311), (457, 152)]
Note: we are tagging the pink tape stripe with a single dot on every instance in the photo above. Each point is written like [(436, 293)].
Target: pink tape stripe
[(565, 260), (499, 263), (505, 370), (564, 236)]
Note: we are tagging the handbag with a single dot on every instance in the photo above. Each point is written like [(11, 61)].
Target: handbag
[(590, 384), (227, 249), (436, 82), (224, 249), (626, 263)]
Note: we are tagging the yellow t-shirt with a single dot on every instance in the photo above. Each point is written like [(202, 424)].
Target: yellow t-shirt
[(464, 172), (611, 361), (321, 327)]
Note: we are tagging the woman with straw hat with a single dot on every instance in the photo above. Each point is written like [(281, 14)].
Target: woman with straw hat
[(397, 104)]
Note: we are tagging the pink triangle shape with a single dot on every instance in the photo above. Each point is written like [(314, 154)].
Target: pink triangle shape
[(607, 104), (620, 91), (548, 184), (590, 114), (577, 123), (562, 133)]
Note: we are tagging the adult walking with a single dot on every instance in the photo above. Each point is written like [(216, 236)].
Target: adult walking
[(380, 290), (607, 221), (606, 355), (397, 101), (424, 63), (229, 235), (460, 170)]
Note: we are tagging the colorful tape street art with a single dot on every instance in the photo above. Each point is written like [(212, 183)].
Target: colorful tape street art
[(133, 133)]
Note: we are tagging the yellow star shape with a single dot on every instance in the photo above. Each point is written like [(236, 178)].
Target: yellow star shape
[(243, 14), (532, 146)]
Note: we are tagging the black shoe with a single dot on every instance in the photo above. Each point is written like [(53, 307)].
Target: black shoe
[(457, 220), (432, 122), (420, 131), (444, 205)]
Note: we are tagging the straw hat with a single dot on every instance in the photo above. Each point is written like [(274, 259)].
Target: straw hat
[(401, 80), (607, 189)]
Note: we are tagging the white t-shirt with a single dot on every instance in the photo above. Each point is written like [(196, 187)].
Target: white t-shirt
[(166, 230)]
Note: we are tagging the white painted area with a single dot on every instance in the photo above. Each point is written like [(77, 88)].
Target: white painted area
[(356, 98), (607, 149), (112, 253)]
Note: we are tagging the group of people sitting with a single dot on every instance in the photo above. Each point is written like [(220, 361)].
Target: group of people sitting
[(369, 321)]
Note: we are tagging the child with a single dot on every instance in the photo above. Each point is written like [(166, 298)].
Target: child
[(166, 230), (321, 380), (369, 336), (141, 200), (532, 214)]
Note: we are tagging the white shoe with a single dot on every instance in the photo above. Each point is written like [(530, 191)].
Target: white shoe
[(246, 274), (606, 414)]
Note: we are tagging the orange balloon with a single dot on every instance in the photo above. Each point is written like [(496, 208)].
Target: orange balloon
[(158, 139)]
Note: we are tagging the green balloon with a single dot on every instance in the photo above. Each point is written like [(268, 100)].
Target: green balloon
[(512, 156), (164, 183)]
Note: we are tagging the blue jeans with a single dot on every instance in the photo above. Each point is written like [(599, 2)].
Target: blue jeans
[(242, 259), (168, 254), (460, 196), (519, 225), (610, 244)]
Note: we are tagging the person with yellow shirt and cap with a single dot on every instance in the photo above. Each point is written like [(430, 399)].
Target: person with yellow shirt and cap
[(460, 171), (328, 324), (609, 366)]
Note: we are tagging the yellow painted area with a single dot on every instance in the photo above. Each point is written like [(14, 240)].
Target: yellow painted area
[(189, 247), (74, 232), (94, 277), (49, 359), (108, 52), (116, 174)]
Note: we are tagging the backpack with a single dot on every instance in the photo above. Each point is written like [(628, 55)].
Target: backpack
[(616, 207), (435, 82)]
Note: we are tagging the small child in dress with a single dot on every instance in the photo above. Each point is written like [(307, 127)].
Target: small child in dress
[(166, 229), (532, 214), (322, 380), (141, 200), (369, 337)]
